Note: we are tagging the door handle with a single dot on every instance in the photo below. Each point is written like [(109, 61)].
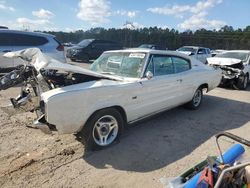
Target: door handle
[(5, 51), (179, 80)]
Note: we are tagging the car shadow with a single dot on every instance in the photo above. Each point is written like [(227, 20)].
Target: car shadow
[(171, 135)]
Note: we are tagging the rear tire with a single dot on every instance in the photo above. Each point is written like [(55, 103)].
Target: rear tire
[(102, 129), (196, 101)]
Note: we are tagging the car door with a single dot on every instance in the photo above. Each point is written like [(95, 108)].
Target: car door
[(97, 48), (183, 69), (201, 55), (162, 91), (5, 46)]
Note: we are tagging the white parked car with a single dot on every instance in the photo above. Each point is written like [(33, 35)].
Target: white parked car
[(13, 40), (120, 88), (235, 65), (196, 52)]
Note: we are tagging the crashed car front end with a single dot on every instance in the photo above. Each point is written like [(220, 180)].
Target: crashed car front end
[(41, 79), (231, 74), (232, 70)]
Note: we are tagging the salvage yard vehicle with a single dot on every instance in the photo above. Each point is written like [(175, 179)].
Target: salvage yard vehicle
[(235, 65), (13, 40), (152, 46), (199, 53), (121, 87), (90, 49)]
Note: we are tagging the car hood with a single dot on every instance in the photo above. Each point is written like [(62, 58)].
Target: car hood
[(221, 61), (185, 52), (36, 58)]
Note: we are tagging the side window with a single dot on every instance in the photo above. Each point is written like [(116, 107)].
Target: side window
[(161, 65), (5, 39), (28, 40), (202, 51), (180, 64)]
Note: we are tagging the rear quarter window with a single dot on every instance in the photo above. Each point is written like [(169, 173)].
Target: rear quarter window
[(27, 40), (181, 64)]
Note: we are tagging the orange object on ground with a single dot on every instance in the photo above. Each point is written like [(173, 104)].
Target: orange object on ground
[(206, 179)]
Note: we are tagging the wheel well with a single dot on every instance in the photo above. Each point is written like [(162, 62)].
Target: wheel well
[(204, 86), (122, 112), (118, 108)]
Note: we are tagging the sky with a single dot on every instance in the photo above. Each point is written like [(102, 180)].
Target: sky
[(72, 15)]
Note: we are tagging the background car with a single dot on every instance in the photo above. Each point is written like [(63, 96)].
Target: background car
[(90, 49), (199, 53), (152, 46), (12, 40), (235, 65), (121, 87), (218, 51)]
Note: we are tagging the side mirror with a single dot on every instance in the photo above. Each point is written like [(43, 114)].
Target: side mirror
[(149, 75), (192, 53)]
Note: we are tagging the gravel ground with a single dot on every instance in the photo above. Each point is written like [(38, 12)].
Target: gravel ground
[(163, 146)]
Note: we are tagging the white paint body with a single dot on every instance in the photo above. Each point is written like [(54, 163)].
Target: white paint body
[(69, 108), (220, 61)]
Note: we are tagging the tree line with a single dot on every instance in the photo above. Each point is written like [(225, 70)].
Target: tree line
[(226, 38)]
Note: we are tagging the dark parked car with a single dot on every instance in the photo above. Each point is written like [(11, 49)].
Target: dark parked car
[(152, 46), (90, 49)]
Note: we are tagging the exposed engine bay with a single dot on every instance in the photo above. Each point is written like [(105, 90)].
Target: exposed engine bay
[(231, 71), (35, 79)]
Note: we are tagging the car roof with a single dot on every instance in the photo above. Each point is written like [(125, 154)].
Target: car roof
[(26, 32), (196, 47), (243, 51), (151, 51)]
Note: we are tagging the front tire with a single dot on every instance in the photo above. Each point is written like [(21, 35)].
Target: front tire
[(242, 83), (102, 129), (196, 101)]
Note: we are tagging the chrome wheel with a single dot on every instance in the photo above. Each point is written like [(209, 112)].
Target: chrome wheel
[(197, 98), (105, 130)]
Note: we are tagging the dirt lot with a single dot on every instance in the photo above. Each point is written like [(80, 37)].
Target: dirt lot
[(163, 146)]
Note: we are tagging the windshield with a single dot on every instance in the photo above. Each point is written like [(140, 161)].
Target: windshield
[(123, 64), (237, 55), (187, 49), (85, 42)]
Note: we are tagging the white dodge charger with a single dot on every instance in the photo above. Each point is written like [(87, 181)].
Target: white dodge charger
[(120, 88)]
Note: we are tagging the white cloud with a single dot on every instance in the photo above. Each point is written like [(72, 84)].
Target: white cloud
[(94, 11), (43, 14), (132, 25), (130, 14), (198, 21), (32, 24), (68, 29), (196, 14), (3, 6), (174, 10), (200, 6)]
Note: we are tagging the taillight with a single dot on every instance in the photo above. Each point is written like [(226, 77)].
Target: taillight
[(60, 48)]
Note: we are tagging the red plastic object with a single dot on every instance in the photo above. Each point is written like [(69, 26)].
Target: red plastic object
[(206, 179)]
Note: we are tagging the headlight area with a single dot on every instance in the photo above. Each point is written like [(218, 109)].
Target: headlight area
[(41, 122)]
